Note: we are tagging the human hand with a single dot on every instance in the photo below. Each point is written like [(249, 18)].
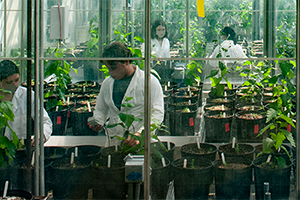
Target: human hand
[(131, 142), (96, 128)]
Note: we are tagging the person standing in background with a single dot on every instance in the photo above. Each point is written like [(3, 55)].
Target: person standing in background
[(160, 44), (228, 48)]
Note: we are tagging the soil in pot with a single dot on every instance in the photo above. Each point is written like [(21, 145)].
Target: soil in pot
[(54, 153), (228, 102), (218, 126), (248, 108), (217, 108), (246, 151), (79, 117), (182, 122), (206, 151), (70, 181), (277, 177), (108, 183), (248, 126), (84, 152), (233, 180), (192, 182), (185, 96)]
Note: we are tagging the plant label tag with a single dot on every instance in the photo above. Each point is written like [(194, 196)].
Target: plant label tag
[(256, 129), (58, 120), (191, 121), (227, 127), (289, 128)]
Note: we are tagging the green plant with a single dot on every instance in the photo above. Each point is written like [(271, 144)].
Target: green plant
[(61, 70), (279, 114), (192, 74), (7, 147), (237, 149), (127, 120), (217, 88)]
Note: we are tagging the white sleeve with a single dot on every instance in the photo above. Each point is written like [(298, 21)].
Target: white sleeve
[(47, 126), (101, 109), (214, 63)]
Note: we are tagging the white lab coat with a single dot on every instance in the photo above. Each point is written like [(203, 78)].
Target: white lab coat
[(105, 107), (19, 124), (234, 51), (158, 51)]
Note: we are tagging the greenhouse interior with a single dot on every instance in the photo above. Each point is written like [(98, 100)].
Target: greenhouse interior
[(149, 99)]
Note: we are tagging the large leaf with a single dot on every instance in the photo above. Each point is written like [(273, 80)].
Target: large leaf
[(271, 114)]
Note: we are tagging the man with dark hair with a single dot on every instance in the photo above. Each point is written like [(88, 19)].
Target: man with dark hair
[(126, 80), (9, 80)]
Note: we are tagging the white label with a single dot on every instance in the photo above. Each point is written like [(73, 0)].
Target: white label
[(184, 163), (223, 158), (198, 143), (76, 151), (269, 158), (233, 142), (108, 161), (72, 158), (163, 162), (169, 146), (89, 106)]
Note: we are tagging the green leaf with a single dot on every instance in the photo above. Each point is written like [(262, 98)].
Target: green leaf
[(140, 39), (271, 114), (281, 162), (127, 119), (289, 137), (213, 73)]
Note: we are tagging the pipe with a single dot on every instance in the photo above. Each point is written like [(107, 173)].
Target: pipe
[(36, 100), (298, 99), (41, 110), (29, 100), (146, 98)]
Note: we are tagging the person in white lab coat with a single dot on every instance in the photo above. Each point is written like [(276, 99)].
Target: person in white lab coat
[(10, 80), (228, 49), (160, 44), (126, 80)]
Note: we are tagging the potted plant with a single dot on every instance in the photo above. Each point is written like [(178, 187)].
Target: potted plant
[(192, 177), (274, 167), (222, 132), (112, 164), (233, 178), (56, 106)]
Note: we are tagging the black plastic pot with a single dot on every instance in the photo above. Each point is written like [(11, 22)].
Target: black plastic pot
[(246, 151), (18, 174), (192, 183), (206, 151), (248, 126), (278, 179), (59, 119), (80, 124), (18, 193), (218, 128), (182, 123), (4, 176), (108, 183), (159, 180), (234, 180), (70, 181)]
